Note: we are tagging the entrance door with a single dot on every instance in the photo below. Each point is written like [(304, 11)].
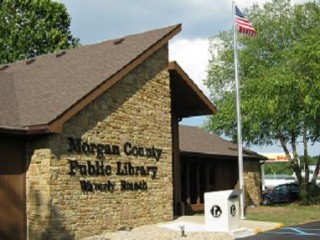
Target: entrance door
[(12, 189)]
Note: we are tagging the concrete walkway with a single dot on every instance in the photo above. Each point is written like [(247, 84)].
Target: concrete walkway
[(260, 226), (196, 223)]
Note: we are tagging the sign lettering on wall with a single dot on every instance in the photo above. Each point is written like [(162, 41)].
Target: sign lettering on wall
[(76, 145), (99, 168)]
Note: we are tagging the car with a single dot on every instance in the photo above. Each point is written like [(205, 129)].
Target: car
[(287, 192)]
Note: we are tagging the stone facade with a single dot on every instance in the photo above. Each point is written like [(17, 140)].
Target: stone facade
[(121, 175), (252, 181)]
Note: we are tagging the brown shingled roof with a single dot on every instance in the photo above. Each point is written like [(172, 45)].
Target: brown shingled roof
[(44, 93), (194, 140)]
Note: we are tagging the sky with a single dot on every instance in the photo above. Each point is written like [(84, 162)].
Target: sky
[(98, 20)]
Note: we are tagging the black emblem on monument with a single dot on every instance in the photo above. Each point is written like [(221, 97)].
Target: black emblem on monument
[(216, 211), (233, 210)]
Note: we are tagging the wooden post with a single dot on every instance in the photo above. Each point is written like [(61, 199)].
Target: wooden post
[(176, 165), (207, 176), (188, 197), (198, 184)]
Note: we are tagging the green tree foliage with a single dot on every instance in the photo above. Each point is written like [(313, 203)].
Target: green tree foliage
[(312, 160), (279, 79), (33, 27), (277, 168)]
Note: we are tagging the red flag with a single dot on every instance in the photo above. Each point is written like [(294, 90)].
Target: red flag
[(244, 26)]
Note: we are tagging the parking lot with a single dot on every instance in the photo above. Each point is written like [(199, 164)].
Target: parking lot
[(308, 231)]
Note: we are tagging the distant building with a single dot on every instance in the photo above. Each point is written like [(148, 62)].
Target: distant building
[(276, 157), (272, 180)]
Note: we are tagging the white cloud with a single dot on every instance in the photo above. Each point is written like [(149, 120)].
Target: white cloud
[(193, 56), (96, 20)]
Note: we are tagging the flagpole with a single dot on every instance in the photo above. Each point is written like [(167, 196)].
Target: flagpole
[(240, 158)]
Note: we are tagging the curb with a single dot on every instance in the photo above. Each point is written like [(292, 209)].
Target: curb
[(279, 225)]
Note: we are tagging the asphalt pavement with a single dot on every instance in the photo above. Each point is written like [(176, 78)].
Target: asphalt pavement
[(308, 231)]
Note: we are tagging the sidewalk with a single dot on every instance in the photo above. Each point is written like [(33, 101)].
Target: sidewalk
[(196, 223), (188, 228), (260, 226)]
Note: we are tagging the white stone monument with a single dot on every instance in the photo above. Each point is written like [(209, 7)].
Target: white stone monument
[(222, 210)]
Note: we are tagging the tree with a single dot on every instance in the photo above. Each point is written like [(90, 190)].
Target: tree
[(30, 28), (277, 168), (279, 80)]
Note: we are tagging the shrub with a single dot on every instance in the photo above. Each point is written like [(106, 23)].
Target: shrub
[(309, 194)]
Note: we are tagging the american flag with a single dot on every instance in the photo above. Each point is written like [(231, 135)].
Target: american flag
[(244, 26)]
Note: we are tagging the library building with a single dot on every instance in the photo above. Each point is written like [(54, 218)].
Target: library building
[(90, 141)]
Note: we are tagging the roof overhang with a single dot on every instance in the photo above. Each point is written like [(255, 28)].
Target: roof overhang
[(220, 156), (187, 99), (27, 131)]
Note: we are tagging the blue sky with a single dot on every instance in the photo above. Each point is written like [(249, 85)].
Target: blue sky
[(98, 20)]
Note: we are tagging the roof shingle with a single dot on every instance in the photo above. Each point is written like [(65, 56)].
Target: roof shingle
[(38, 92), (195, 140)]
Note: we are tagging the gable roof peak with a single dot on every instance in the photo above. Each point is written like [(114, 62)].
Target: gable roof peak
[(28, 92)]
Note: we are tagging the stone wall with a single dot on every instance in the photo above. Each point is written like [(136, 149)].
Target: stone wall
[(252, 181), (120, 174)]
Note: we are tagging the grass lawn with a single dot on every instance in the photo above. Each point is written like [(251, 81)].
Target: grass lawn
[(288, 214)]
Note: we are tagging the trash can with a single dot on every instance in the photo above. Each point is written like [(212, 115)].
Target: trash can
[(222, 210)]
